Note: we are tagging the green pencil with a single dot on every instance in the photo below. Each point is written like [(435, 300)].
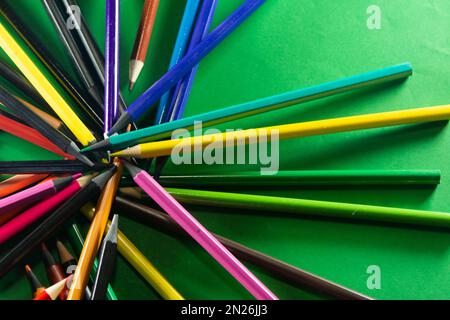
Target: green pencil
[(305, 207), (304, 178)]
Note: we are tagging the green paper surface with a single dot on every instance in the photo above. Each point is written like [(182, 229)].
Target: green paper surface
[(287, 45)]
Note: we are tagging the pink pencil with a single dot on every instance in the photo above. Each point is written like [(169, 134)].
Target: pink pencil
[(200, 234), (33, 194), (29, 216)]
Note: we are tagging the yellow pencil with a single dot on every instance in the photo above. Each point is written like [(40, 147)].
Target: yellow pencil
[(294, 130), (135, 257), (44, 87), (95, 235)]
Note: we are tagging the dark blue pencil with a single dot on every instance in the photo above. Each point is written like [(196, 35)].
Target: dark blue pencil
[(154, 93)]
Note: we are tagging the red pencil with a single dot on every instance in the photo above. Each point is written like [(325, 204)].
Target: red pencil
[(142, 41), (29, 134), (51, 293)]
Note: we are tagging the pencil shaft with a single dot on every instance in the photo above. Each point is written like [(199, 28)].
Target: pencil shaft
[(203, 237), (306, 178), (179, 50), (279, 269), (263, 105), (154, 93), (312, 207), (94, 236), (77, 240), (43, 86), (18, 182), (89, 107), (142, 265), (297, 130), (48, 166), (70, 44), (112, 63)]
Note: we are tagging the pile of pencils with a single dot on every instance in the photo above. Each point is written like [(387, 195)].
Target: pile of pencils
[(106, 159)]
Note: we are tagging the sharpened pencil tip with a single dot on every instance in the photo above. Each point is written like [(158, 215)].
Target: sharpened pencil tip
[(131, 86), (101, 145), (121, 123)]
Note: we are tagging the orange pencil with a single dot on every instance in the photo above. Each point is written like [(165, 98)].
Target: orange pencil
[(95, 235), (142, 41), (19, 182), (36, 285)]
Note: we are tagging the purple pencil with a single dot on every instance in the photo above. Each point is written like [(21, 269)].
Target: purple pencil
[(199, 233), (33, 194), (111, 63)]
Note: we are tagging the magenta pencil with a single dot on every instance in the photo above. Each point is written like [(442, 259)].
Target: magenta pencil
[(200, 234), (33, 194), (32, 214)]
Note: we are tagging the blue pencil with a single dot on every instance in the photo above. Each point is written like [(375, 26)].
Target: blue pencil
[(154, 93), (184, 34), (184, 86), (111, 63)]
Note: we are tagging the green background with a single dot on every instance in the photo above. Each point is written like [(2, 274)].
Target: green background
[(287, 45)]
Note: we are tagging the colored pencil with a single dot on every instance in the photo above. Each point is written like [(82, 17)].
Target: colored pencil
[(36, 285), (184, 34), (155, 92), (41, 209), (112, 78), (44, 87), (293, 130), (142, 41), (256, 107), (20, 82), (55, 272), (68, 262), (312, 208), (90, 116), (107, 258), (51, 120), (51, 293), (184, 86), (87, 40), (281, 270), (19, 182), (77, 240), (50, 225), (200, 234), (140, 263), (289, 178), (83, 71), (48, 166), (95, 235), (39, 124), (33, 194), (9, 123)]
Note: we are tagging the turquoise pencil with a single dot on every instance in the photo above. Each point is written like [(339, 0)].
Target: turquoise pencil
[(283, 100)]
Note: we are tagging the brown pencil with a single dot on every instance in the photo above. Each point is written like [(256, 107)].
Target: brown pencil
[(55, 272), (142, 41)]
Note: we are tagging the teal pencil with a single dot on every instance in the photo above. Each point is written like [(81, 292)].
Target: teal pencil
[(164, 130)]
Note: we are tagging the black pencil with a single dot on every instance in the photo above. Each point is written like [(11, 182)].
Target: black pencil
[(90, 45), (49, 166), (106, 263), (92, 114), (278, 268), (20, 82), (49, 226), (72, 48), (36, 122)]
